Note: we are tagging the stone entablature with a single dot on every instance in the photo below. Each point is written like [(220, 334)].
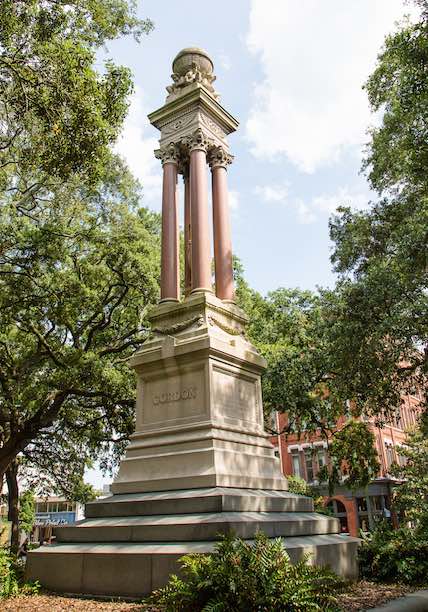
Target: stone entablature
[(195, 110)]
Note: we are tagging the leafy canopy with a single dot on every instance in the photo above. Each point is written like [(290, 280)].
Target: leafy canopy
[(78, 256), (58, 115), (77, 277), (379, 309)]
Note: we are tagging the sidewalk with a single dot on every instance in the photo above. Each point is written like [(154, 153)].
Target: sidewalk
[(413, 602)]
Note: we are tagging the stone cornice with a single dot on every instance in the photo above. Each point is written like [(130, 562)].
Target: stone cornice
[(200, 97)]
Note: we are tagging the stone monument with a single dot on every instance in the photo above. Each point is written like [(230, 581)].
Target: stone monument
[(199, 463)]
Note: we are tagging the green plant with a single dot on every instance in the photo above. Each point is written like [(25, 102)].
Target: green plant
[(11, 577), (298, 485), (249, 577), (388, 555), (27, 511)]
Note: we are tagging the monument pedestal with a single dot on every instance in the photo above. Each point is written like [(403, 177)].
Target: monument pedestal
[(199, 405), (198, 465)]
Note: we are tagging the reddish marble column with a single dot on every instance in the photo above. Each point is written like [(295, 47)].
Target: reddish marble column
[(221, 226), (187, 236), (170, 282), (201, 256)]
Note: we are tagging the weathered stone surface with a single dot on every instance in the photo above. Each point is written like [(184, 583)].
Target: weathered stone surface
[(135, 569), (194, 527), (188, 501), (199, 419)]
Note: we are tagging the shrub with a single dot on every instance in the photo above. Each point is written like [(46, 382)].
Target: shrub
[(301, 487), (388, 555), (249, 577), (298, 485), (11, 577)]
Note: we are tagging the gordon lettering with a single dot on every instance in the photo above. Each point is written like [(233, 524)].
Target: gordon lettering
[(175, 396)]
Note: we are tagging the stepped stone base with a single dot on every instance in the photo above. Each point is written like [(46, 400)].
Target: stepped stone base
[(130, 544), (198, 465)]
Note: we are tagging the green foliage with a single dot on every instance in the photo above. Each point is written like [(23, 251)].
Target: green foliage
[(241, 576), (27, 511), (82, 492), (289, 330), (58, 114), (394, 555), (379, 310), (411, 496), (398, 151), (79, 274), (353, 454), (298, 485), (11, 578), (78, 257), (402, 555)]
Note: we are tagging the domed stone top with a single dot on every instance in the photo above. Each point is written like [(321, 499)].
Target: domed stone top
[(192, 57), (191, 66)]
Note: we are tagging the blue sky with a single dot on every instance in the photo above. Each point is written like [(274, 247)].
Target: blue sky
[(291, 72)]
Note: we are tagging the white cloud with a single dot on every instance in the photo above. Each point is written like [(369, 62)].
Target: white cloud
[(234, 199), (137, 149), (272, 193), (305, 213), (311, 210), (315, 57), (224, 61), (343, 197)]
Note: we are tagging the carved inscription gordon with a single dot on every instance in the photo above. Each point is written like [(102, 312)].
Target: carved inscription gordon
[(175, 396)]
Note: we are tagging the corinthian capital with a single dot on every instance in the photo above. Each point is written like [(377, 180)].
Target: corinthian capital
[(169, 153), (198, 140), (219, 157)]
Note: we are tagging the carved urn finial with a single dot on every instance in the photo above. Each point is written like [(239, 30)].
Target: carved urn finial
[(191, 65)]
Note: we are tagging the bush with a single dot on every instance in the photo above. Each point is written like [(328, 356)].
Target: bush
[(301, 487), (388, 555), (298, 485), (244, 577), (11, 577)]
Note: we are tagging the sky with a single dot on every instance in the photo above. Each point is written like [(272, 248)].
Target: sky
[(291, 72)]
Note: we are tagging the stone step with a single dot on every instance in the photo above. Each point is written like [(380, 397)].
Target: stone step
[(191, 501), (135, 569), (205, 526)]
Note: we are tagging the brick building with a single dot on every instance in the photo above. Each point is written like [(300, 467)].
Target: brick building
[(304, 457)]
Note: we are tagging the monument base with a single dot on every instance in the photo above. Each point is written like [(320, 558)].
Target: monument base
[(130, 544), (198, 465)]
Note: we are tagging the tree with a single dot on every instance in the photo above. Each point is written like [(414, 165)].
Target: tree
[(58, 115), (66, 205), (411, 496), (353, 454), (77, 278), (287, 327), (379, 310), (27, 511)]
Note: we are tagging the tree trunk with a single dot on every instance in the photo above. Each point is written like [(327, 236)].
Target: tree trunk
[(13, 502)]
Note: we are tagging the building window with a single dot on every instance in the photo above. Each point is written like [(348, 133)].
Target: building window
[(389, 455), (322, 459), (296, 464), (361, 504), (309, 465)]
